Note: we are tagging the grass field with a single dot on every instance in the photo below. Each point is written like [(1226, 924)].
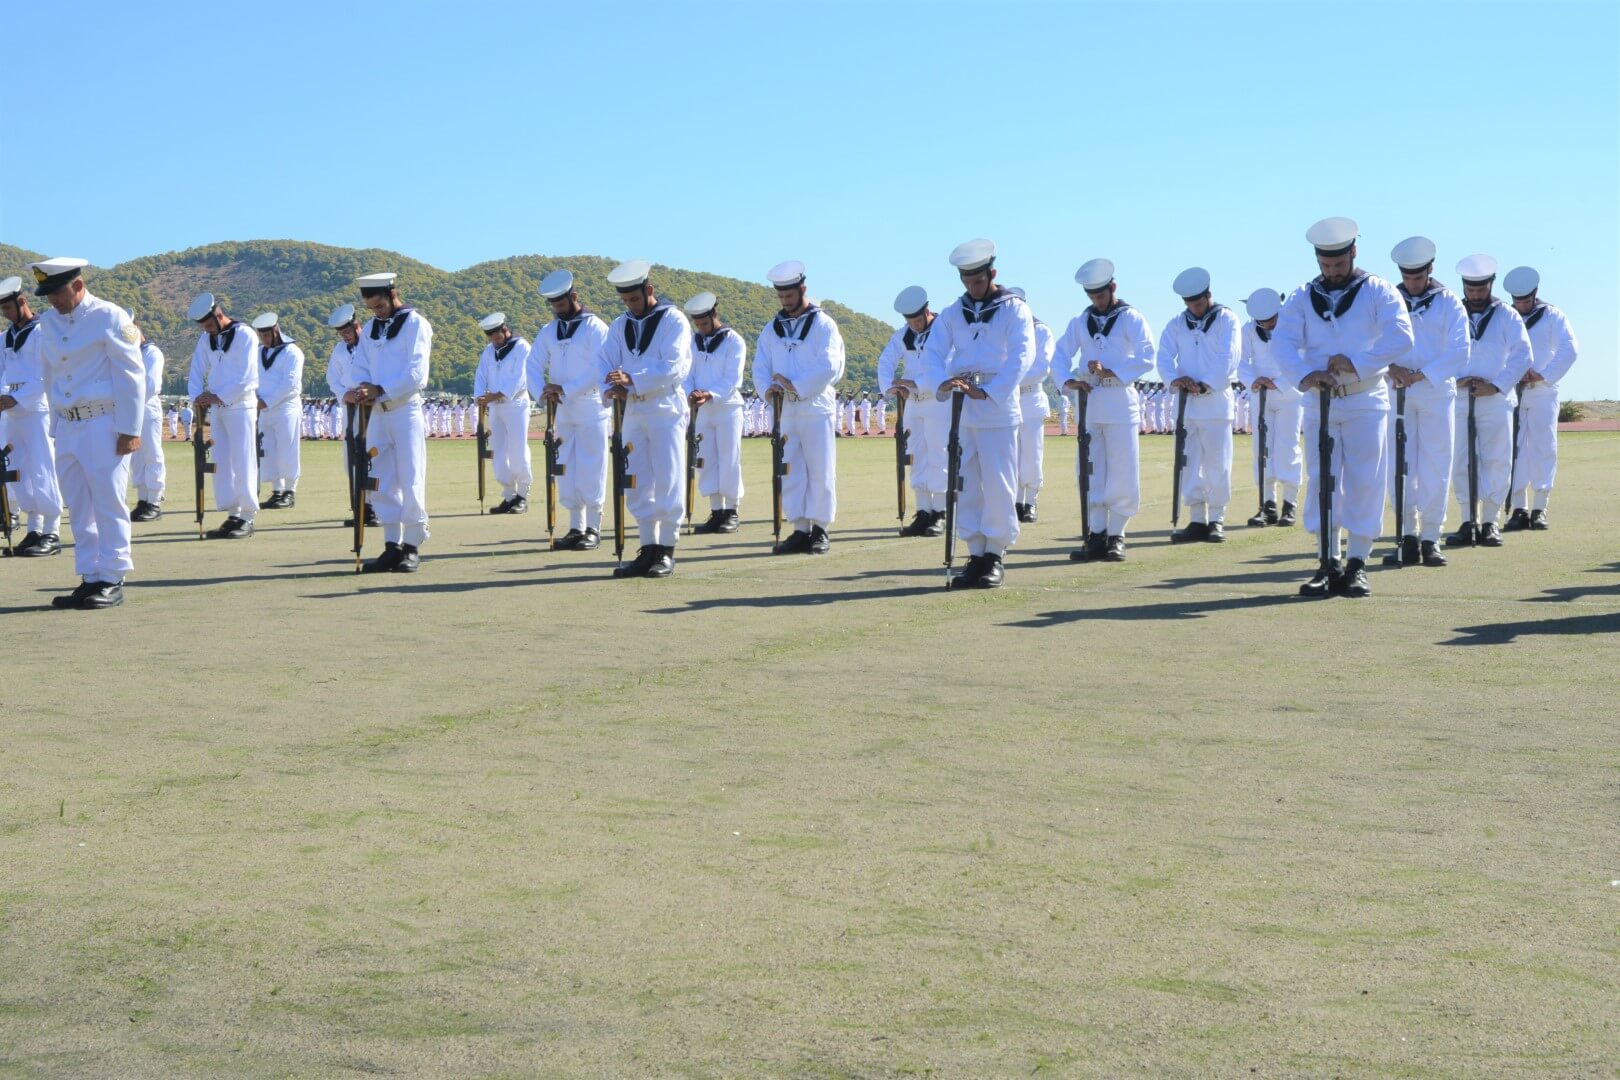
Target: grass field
[(814, 817)]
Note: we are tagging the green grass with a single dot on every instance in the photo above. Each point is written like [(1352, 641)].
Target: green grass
[(813, 817)]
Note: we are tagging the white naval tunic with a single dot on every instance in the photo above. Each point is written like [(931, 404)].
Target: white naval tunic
[(570, 354), (1440, 351), (656, 352), (26, 428), (1553, 345), (147, 471), (1285, 409), (395, 354), (1206, 350), (92, 363), (809, 351), (992, 342), (1499, 353), (1119, 340), (928, 420), (227, 365), (1033, 405), (340, 380), (281, 387), (718, 361), (504, 370), (1367, 322)]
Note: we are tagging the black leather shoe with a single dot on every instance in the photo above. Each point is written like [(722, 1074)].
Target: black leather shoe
[(1289, 515), (819, 540), (1431, 554), (44, 544), (145, 511), (502, 507), (218, 533), (1260, 519), (1490, 535), (638, 567), (568, 541), (1354, 582), (102, 594), (289, 499), (1467, 535), (26, 544), (1538, 520), (1115, 550), (936, 523), (1025, 512), (664, 565), (1215, 534), (237, 530), (590, 540), (797, 543), (1325, 582), (71, 600), (711, 523), (391, 557), (919, 524), (1405, 554), (1196, 531), (1271, 512), (969, 575), (1517, 521), (517, 504), (1095, 547), (991, 577), (409, 560), (371, 517), (729, 522)]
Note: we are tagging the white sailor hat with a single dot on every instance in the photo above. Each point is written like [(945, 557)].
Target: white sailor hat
[(973, 256), (266, 321), (1262, 304), (380, 282), (1520, 281), (1095, 275), (493, 321), (1413, 253), (343, 316), (11, 288), (557, 284), (911, 301), (629, 276), (1333, 236), (1477, 269), (701, 304), (1191, 282), (201, 307), (52, 274), (787, 275)]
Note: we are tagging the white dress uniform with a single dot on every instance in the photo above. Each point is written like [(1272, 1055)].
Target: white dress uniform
[(26, 427), (880, 415), (928, 420), (1499, 353), (1120, 340), (340, 380), (570, 353), (808, 350), (1033, 406), (991, 342), (227, 365), (504, 370), (1206, 350), (1440, 351), (1367, 322), (147, 471), (656, 352), (718, 362), (96, 384), (395, 354), (1285, 410), (281, 388), (174, 423), (1553, 346), (864, 415)]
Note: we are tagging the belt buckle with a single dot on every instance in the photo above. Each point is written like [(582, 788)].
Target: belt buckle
[(1341, 391)]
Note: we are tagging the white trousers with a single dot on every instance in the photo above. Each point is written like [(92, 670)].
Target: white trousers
[(1115, 490), (33, 456), (1493, 419), (93, 478), (720, 478), (582, 488), (1285, 411), (509, 442), (928, 427), (399, 437), (147, 471), (986, 515), (280, 464), (810, 488), (656, 432), (236, 461), (1538, 448), (1031, 445), (1430, 441), (1206, 482), (1361, 472)]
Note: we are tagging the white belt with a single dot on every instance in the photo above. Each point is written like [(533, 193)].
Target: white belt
[(1103, 380), (87, 411), (390, 406), (1025, 388), (1361, 387)]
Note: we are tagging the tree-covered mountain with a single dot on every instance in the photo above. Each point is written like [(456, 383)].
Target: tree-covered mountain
[(303, 282)]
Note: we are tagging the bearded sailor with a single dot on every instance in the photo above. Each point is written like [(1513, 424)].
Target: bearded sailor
[(1499, 354)]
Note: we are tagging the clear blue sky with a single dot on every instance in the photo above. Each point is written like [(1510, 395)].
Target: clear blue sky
[(866, 138)]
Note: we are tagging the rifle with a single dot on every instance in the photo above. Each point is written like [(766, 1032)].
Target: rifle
[(1326, 541), (484, 452), (693, 463), (953, 479), (622, 480), (1400, 468), (554, 469), (1473, 464), (1180, 456), (201, 466), (360, 479), (902, 456), (8, 475), (1083, 442), (1263, 432), (779, 467), (258, 466), (1513, 469)]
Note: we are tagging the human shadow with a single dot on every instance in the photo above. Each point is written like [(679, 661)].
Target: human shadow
[(795, 600), (1259, 577), (1169, 611), (1505, 633)]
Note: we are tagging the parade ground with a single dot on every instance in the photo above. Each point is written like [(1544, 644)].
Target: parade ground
[(813, 816)]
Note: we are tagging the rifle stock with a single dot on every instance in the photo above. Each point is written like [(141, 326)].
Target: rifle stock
[(1083, 445), (902, 456), (1473, 462), (554, 469), (360, 479), (1400, 467), (1264, 433), (484, 452), (8, 475), (1180, 458), (622, 480), (200, 464), (1326, 539), (693, 463), (953, 479), (779, 465)]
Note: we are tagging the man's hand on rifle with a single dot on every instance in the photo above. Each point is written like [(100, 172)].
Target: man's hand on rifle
[(262, 405), (902, 388), (552, 392), (698, 397), (489, 397), (1263, 383), (783, 384), (1319, 380), (7, 402), (1481, 388), (208, 398), (1187, 383), (1339, 364), (1531, 377), (1078, 384), (128, 444)]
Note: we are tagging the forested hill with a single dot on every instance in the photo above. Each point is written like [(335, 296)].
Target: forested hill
[(303, 282)]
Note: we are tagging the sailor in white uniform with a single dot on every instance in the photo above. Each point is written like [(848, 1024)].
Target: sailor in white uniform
[(568, 365), (25, 426), (1198, 356), (927, 419), (1259, 370), (281, 390), (714, 392), (1554, 349), (501, 385), (224, 384)]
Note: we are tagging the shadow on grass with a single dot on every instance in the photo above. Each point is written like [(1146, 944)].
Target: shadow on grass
[(794, 600), (1505, 633), (1170, 611), (1258, 577)]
